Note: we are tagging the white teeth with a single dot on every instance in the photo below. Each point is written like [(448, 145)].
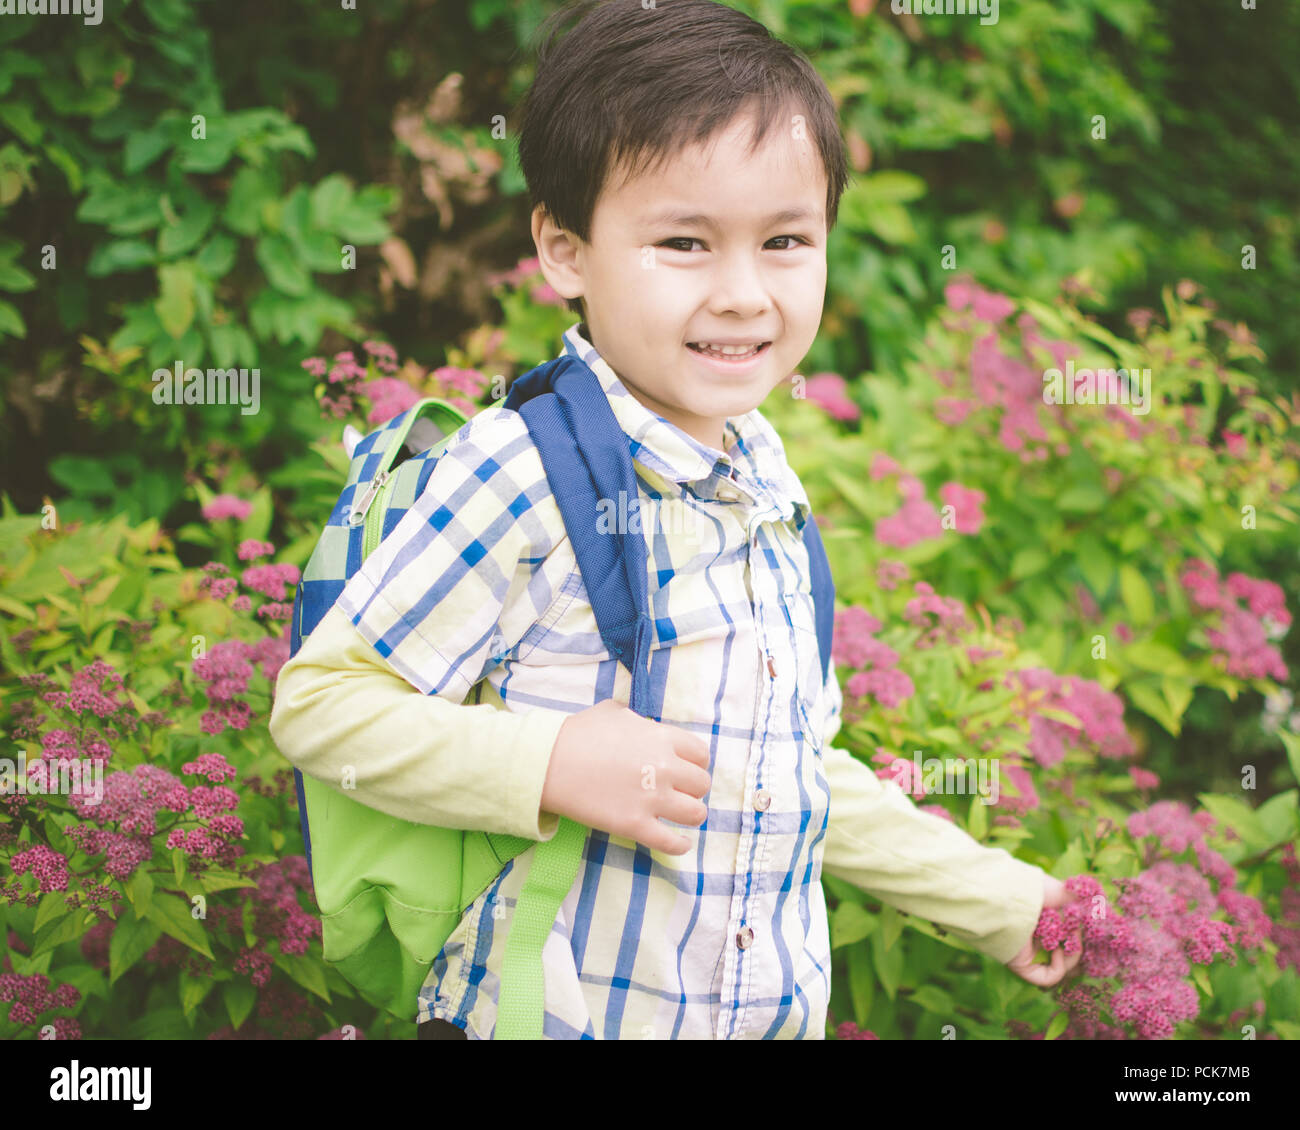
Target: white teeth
[(728, 350)]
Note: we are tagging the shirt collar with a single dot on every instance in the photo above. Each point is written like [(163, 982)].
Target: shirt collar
[(755, 450)]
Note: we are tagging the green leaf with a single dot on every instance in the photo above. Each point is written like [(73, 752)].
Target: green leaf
[(1082, 498), (184, 235), (1151, 702), (22, 122), (240, 997), (213, 881), (172, 914), (1097, 566), (1151, 656), (54, 904), (120, 255), (1027, 562), (58, 931), (132, 939), (330, 201), (143, 147), (216, 258), (276, 257), (1279, 817), (862, 984), (1236, 814), (1202, 979), (11, 321), (1291, 743), (888, 964), (139, 890), (1058, 1025), (977, 823), (933, 999), (1136, 594), (1178, 693), (193, 990), (175, 305), (891, 926), (306, 971), (851, 923)]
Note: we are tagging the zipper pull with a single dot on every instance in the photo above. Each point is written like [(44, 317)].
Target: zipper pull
[(358, 513)]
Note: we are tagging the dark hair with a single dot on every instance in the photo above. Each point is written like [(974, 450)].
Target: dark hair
[(631, 85)]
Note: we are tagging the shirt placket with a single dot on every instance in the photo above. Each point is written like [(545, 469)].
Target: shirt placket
[(750, 917)]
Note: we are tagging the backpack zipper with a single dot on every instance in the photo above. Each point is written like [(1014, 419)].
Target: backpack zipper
[(358, 514), (374, 515)]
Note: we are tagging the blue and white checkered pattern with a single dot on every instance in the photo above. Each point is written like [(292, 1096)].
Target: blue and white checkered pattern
[(478, 581)]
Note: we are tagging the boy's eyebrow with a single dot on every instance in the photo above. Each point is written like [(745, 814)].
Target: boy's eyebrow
[(678, 216)]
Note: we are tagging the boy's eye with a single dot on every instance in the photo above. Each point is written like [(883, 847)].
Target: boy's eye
[(688, 240)]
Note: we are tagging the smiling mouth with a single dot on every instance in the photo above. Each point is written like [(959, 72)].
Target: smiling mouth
[(719, 355)]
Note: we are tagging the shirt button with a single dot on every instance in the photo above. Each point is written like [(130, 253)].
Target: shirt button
[(744, 937), (726, 494), (771, 667), (762, 800)]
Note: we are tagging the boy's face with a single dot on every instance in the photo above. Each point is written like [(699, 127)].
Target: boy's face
[(654, 286)]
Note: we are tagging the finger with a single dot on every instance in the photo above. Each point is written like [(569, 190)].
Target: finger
[(690, 748), (659, 837), (691, 779), (682, 809), (1056, 970)]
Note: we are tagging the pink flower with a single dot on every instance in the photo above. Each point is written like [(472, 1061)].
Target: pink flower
[(830, 391), (389, 397), (1236, 444), (1171, 822), (989, 307), (48, 867), (882, 465), (889, 572), (953, 411), (251, 549), (959, 293), (227, 506), (270, 580), (1143, 778), (851, 637), (966, 505), (315, 366), (890, 686), (915, 521)]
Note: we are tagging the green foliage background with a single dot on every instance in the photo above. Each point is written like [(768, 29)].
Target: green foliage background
[(185, 180)]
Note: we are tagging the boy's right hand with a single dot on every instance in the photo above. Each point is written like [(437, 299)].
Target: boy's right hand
[(613, 770)]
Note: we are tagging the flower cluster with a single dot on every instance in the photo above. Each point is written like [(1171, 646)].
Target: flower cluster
[(1100, 712), (226, 668), (226, 506), (1241, 640), (830, 392), (853, 645), (917, 519), (33, 996)]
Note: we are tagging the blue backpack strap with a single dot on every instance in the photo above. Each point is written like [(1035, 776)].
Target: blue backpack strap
[(823, 591), (585, 453)]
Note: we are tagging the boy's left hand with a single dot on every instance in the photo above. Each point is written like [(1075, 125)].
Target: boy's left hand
[(1045, 976)]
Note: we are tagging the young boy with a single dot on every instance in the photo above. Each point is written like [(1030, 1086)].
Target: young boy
[(685, 169)]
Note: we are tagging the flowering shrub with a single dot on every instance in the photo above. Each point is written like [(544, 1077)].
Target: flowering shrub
[(151, 876), (1063, 593)]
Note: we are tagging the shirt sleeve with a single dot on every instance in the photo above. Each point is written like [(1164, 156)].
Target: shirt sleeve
[(341, 709), (878, 840), (379, 686)]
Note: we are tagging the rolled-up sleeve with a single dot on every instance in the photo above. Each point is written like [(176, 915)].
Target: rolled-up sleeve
[(878, 840)]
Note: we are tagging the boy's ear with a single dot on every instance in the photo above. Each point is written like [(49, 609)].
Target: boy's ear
[(558, 254)]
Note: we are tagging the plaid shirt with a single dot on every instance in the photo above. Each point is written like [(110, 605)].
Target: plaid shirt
[(475, 596)]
